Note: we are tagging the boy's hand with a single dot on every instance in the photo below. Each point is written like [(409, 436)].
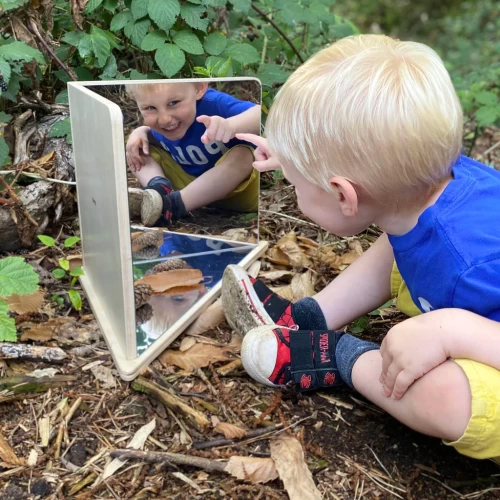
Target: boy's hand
[(409, 351), (218, 129), (137, 142), (264, 160)]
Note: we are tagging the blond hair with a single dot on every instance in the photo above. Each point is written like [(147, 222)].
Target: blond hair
[(380, 112)]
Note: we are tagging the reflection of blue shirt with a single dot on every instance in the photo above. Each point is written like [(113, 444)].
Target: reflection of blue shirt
[(190, 153), (451, 258)]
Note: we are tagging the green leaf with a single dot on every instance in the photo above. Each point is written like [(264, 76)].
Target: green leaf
[(4, 151), (110, 69), (170, 59), (13, 89), (95, 44), (242, 5), (76, 299), (16, 276), (62, 97), (154, 40), (486, 98), (12, 4), (107, 35), (71, 241), (20, 51), (376, 312), (5, 70), (136, 75), (192, 15), (215, 43), (214, 3), (62, 128), (7, 324), (77, 271), (110, 5), (136, 31), (120, 21), (487, 115), (220, 67), (188, 41), (164, 12), (73, 37), (270, 74), (139, 8), (243, 53), (58, 273), (46, 240), (360, 325), (92, 5), (64, 264), (4, 117)]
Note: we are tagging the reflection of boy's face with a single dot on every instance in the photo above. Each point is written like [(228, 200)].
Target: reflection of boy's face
[(169, 108)]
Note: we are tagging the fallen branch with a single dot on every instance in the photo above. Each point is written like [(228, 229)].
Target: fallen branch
[(175, 458), (151, 388), (21, 384), (31, 352)]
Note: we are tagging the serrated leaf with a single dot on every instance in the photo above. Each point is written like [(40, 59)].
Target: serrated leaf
[(170, 59), (5, 70), (5, 117), (164, 12), (486, 98), (76, 299), (20, 51), (110, 5), (487, 115), (188, 41), (62, 128), (136, 75), (12, 4), (272, 73), (107, 35), (154, 40), (95, 44), (215, 43), (120, 21), (13, 89), (62, 97), (139, 8), (136, 31), (16, 276), (73, 37), (214, 3), (71, 241), (242, 5), (110, 69), (192, 15), (7, 325), (243, 53), (4, 151), (92, 5)]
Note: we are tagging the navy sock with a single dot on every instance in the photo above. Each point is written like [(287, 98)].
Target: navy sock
[(308, 315), (347, 352), (173, 206)]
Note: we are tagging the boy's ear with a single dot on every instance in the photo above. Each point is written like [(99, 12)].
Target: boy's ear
[(201, 88), (347, 195)]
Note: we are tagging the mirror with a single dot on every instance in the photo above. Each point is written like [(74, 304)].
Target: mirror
[(147, 282)]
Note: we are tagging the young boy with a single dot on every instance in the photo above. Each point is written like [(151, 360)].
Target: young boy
[(369, 132), (199, 160)]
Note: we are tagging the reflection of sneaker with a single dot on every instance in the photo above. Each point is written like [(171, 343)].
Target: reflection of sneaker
[(248, 303), (275, 355)]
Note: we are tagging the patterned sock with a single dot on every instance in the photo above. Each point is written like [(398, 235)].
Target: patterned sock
[(347, 352), (173, 206), (308, 315)]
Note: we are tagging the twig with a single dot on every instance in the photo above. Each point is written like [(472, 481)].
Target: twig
[(175, 458), (290, 217), (489, 150), (279, 30), (442, 484), (200, 445), (33, 28), (36, 176), (18, 201), (380, 463), (32, 352)]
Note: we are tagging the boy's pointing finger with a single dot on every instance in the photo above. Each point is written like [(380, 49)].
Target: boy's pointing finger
[(259, 141)]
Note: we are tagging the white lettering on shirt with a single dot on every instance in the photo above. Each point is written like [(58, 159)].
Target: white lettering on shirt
[(216, 147), (425, 305)]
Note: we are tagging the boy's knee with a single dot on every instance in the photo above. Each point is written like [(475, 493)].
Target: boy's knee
[(243, 155)]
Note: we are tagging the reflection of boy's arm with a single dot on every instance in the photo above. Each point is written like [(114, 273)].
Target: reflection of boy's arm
[(225, 129), (137, 142)]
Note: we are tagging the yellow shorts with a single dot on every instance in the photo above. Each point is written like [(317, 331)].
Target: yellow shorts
[(245, 198), (481, 439)]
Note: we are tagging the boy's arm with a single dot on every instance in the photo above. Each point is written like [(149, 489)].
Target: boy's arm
[(416, 346), (247, 122)]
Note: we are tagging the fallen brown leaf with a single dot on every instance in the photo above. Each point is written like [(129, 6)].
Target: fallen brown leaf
[(198, 356), (288, 456), (300, 287), (8, 455), (277, 256), (186, 343), (23, 304), (171, 279), (255, 470), (208, 319), (356, 250), (289, 246), (275, 275), (230, 431)]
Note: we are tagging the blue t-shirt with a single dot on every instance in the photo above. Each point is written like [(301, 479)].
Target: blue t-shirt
[(190, 153), (451, 258)]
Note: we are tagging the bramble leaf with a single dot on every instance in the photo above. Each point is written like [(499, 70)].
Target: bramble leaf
[(215, 43), (7, 324), (170, 59), (17, 276), (188, 41)]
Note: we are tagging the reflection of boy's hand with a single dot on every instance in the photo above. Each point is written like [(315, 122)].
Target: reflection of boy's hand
[(137, 143), (218, 129), (264, 160)]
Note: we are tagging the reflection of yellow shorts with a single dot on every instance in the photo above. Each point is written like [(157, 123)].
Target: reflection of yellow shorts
[(245, 198), (481, 439)]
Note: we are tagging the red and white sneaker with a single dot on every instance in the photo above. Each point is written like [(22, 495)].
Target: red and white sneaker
[(274, 355), (248, 303)]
